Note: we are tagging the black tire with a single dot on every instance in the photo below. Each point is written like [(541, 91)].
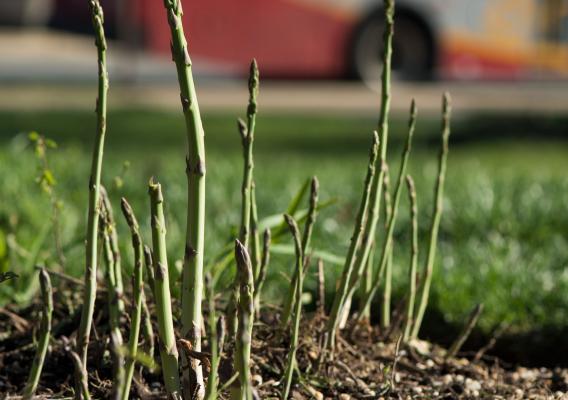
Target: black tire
[(413, 50)]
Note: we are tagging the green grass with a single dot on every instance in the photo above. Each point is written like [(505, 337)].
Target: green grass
[(503, 235)]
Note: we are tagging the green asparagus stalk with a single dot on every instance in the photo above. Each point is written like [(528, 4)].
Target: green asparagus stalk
[(116, 268), (321, 288), (168, 348), (192, 276), (259, 283), (137, 294), (364, 266), (386, 304), (44, 335), (306, 238), (413, 258), (356, 239), (247, 136), (149, 266), (436, 216), (148, 331), (387, 243), (117, 355), (255, 236), (81, 377), (245, 323), (91, 262), (213, 381), (373, 218), (292, 363), (366, 284), (112, 300)]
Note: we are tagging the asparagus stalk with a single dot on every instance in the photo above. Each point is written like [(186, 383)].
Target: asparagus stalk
[(148, 330), (168, 348), (366, 284), (81, 377), (255, 237), (306, 238), (436, 216), (245, 323), (386, 305), (118, 363), (262, 271), (321, 288), (413, 257), (44, 335), (192, 276), (291, 363), (341, 295), (247, 137), (149, 266), (116, 268), (90, 292), (213, 381), (387, 243), (373, 219), (112, 300), (138, 294)]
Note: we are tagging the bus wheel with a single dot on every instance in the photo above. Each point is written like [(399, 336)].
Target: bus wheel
[(412, 57)]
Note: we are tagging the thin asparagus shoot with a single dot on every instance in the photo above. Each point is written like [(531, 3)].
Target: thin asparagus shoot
[(192, 275), (91, 262), (245, 323), (149, 264), (436, 216), (387, 243), (255, 236), (213, 381), (162, 296), (386, 304), (259, 283), (464, 334), (44, 335), (365, 287), (246, 131), (375, 201), (112, 300), (306, 239), (81, 377), (356, 239), (291, 364), (321, 288), (137, 294), (413, 258), (113, 236)]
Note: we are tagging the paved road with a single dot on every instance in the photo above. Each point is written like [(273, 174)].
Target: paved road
[(42, 69)]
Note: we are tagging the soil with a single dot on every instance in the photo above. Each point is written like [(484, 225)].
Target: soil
[(367, 364)]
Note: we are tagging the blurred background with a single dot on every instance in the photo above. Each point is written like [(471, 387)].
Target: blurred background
[(504, 234)]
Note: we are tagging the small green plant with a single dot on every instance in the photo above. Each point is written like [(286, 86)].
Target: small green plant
[(47, 182)]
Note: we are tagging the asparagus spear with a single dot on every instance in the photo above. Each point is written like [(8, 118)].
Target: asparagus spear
[(44, 335), (90, 292), (413, 257), (138, 294), (168, 348), (436, 217), (192, 276)]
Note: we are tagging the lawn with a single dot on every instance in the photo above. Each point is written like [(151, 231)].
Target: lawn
[(503, 238)]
